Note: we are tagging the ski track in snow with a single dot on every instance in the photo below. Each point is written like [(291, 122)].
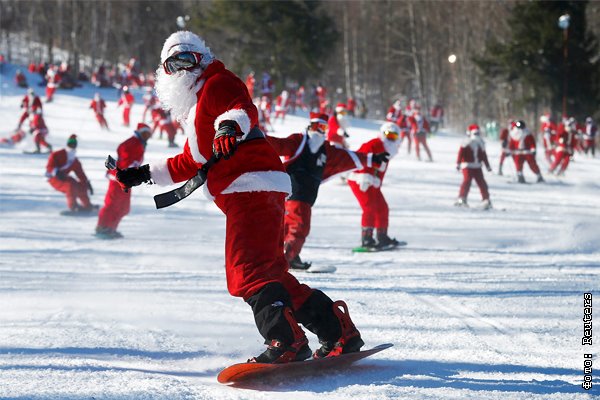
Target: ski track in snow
[(480, 304)]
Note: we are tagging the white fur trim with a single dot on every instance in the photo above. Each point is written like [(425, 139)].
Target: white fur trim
[(261, 181), (159, 172), (238, 115), (190, 130), (370, 160), (355, 158)]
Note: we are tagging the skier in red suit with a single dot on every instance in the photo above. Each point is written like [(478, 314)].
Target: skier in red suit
[(98, 105), (522, 146), (419, 128), (38, 128), (282, 103), (590, 132), (13, 139), (20, 79), (249, 184), (53, 78), (366, 186), (548, 131), (309, 161), (60, 164), (150, 102), (250, 82), (566, 140), (470, 157), (162, 120), (337, 125), (30, 104), (504, 151), (127, 101), (117, 201)]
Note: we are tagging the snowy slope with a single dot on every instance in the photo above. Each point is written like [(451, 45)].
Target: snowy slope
[(480, 305)]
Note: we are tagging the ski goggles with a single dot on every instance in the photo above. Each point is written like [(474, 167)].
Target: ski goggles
[(391, 135), (186, 60), (318, 126)]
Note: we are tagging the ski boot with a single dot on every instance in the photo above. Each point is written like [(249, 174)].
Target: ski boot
[(486, 204), (521, 178), (461, 202), (103, 232), (540, 179), (297, 263), (367, 238), (279, 352), (350, 340), (384, 241)]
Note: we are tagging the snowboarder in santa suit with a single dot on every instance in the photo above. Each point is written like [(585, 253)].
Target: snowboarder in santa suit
[(589, 136), (150, 102), (53, 78), (470, 157), (127, 101), (60, 164), (548, 132), (30, 103), (419, 128), (521, 144), (249, 184), (366, 186), (117, 202), (309, 161), (504, 151), (282, 103), (98, 105), (566, 140), (38, 128), (337, 125)]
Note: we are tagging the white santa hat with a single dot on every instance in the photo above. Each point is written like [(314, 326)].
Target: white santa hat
[(181, 41)]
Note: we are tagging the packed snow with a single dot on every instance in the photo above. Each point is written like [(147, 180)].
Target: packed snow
[(480, 304)]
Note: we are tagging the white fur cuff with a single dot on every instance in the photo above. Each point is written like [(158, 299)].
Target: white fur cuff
[(159, 172), (238, 115)]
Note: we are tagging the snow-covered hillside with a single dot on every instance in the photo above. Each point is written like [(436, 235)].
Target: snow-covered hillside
[(481, 305)]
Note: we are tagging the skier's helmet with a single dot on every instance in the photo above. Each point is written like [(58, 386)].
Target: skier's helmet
[(390, 131), (318, 122), (184, 50)]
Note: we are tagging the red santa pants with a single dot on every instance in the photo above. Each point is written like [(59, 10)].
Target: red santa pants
[(254, 245), (101, 120), (375, 209), (39, 138), (561, 158), (73, 190), (421, 139), (116, 205), (50, 93), (468, 175), (520, 159), (406, 135), (169, 129), (297, 227), (126, 111)]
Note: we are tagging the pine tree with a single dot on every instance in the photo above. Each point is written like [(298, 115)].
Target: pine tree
[(533, 57)]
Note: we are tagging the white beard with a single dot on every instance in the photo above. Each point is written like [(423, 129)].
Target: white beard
[(343, 121), (391, 146), (315, 141), (177, 92)]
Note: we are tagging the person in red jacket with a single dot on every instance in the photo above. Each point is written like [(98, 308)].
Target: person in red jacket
[(38, 128), (30, 104), (282, 103), (117, 202), (309, 161), (470, 157), (419, 128), (521, 144), (250, 82), (366, 186), (590, 132), (98, 105), (249, 184), (16, 137), (548, 132), (60, 164), (162, 120), (436, 116), (127, 101), (20, 79), (566, 140), (337, 125), (53, 78), (504, 150)]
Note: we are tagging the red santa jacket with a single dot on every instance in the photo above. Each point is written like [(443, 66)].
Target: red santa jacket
[(282, 103), (565, 141), (130, 154), (335, 133), (127, 99), (394, 114), (418, 126), (372, 174), (98, 106), (37, 123), (472, 153), (255, 166), (521, 141), (64, 162), (31, 103)]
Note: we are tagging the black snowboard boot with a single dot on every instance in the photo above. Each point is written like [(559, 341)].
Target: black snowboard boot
[(367, 238), (276, 323), (297, 263), (383, 240)]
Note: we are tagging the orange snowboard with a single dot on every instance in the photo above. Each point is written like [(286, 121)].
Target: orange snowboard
[(248, 371)]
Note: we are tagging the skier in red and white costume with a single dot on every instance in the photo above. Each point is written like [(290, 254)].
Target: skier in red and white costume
[(117, 202), (150, 102), (60, 164), (310, 160), (366, 186), (470, 157), (162, 120), (249, 184), (13, 139), (250, 83), (521, 144), (396, 115), (548, 132), (566, 140), (504, 150), (337, 125), (20, 79), (282, 103), (300, 98), (436, 117), (394, 112), (127, 101), (53, 78), (589, 136), (37, 126), (419, 128), (98, 105), (30, 104)]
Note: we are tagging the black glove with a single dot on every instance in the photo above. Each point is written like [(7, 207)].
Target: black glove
[(61, 175), (226, 137), (130, 177), (458, 167), (380, 158), (346, 135), (90, 188)]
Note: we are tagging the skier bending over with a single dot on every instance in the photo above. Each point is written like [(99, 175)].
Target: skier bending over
[(311, 160), (249, 185)]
